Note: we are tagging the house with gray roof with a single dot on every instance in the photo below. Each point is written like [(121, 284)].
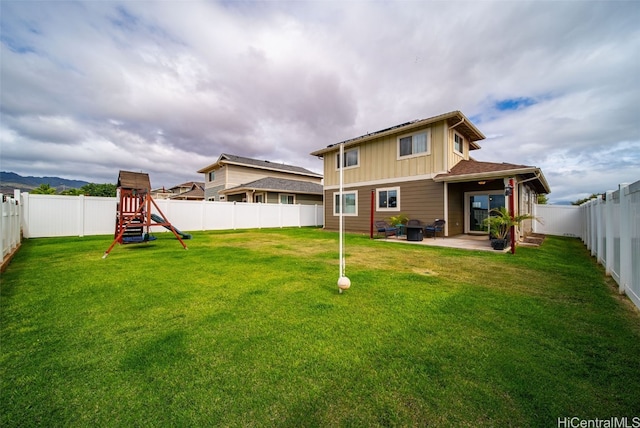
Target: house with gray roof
[(240, 179)]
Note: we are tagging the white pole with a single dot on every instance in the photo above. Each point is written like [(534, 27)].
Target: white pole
[(341, 211), (343, 281)]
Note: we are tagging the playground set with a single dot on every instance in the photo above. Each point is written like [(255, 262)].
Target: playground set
[(133, 213)]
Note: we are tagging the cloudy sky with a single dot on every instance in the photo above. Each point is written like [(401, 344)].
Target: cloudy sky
[(165, 87)]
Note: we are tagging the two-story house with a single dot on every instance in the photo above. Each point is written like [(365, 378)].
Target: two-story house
[(423, 169), (240, 179)]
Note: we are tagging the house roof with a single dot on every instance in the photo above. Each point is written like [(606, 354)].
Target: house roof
[(454, 119), (278, 185), (196, 192), (472, 170), (134, 180), (260, 164), (189, 184)]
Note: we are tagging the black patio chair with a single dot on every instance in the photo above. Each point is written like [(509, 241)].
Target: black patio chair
[(435, 227), (385, 228)]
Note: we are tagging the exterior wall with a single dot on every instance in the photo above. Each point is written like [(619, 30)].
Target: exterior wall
[(238, 175), (302, 199), (308, 199), (420, 199), (211, 193), (455, 205), (453, 156), (378, 160)]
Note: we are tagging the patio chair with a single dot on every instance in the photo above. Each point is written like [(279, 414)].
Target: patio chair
[(435, 227), (385, 228)]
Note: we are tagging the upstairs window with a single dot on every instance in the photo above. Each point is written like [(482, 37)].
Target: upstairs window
[(458, 143), (212, 175), (414, 145), (351, 158)]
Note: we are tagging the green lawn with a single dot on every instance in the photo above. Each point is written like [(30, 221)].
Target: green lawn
[(247, 328)]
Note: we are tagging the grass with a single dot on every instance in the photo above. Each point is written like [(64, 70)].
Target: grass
[(247, 328)]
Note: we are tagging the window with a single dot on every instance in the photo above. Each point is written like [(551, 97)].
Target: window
[(458, 143), (287, 199), (414, 144), (259, 198), (212, 175), (350, 203), (350, 158), (388, 199)]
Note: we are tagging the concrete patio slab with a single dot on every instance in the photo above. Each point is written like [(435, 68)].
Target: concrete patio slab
[(465, 242)]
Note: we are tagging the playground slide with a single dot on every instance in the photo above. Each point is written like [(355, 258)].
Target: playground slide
[(159, 219)]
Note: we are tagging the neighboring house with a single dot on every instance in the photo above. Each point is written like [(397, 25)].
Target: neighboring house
[(192, 190), (239, 179), (423, 169)]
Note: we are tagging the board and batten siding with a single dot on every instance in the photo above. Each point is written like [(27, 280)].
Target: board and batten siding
[(455, 205), (378, 159), (420, 199)]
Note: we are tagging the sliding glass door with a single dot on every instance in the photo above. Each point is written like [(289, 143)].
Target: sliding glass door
[(477, 208)]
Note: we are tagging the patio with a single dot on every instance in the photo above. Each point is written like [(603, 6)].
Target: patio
[(467, 242), (463, 241)]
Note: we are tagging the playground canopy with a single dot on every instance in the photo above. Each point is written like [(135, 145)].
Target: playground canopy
[(134, 180)]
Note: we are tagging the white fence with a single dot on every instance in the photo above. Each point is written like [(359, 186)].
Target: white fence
[(56, 215), (559, 220), (9, 228), (612, 232), (610, 228)]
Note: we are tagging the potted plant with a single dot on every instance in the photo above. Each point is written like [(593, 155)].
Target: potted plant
[(499, 223), (399, 219)]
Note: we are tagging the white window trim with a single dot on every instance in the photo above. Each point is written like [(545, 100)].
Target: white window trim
[(414, 155), (280, 195), (264, 197), (383, 189), (357, 165), (461, 153), (335, 194)]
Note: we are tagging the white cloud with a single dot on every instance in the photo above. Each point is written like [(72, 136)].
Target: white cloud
[(165, 87)]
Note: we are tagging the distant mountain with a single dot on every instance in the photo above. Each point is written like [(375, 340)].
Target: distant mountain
[(10, 181)]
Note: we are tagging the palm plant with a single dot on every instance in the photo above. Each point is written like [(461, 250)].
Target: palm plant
[(500, 222), (398, 219)]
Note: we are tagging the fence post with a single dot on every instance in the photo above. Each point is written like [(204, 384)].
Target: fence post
[(608, 233), (81, 214), (203, 214), (625, 238), (24, 199)]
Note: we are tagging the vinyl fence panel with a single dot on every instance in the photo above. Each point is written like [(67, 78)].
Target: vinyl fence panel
[(9, 227), (56, 215), (559, 220)]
